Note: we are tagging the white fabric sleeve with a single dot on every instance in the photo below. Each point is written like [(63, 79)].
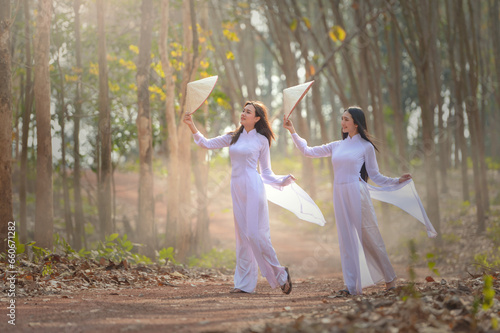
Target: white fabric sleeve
[(318, 151), (372, 168), (215, 143), (267, 174)]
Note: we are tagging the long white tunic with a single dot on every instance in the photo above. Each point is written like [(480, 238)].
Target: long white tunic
[(349, 192), (251, 215)]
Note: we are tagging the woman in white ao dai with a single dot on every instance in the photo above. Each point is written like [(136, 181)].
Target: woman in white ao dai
[(363, 254), (247, 148)]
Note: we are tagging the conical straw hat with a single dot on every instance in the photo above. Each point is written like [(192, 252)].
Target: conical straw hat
[(198, 92), (293, 95)]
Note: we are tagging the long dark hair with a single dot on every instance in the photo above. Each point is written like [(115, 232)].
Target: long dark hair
[(262, 126), (358, 116)]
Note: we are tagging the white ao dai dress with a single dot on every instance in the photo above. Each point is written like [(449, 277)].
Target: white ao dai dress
[(363, 254), (251, 215)]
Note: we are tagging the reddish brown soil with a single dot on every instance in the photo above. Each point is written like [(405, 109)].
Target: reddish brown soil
[(205, 305)]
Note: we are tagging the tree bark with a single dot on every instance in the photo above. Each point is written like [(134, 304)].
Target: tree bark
[(104, 190), (79, 236), (172, 139), (44, 223), (62, 122), (451, 32), (28, 106), (146, 227), (5, 127), (418, 18)]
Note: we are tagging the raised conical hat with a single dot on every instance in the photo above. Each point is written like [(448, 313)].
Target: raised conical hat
[(293, 95), (198, 92)]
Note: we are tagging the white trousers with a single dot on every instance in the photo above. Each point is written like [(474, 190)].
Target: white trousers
[(253, 241), (377, 259)]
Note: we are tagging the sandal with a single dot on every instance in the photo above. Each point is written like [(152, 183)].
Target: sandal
[(287, 287), (344, 292), (237, 291)]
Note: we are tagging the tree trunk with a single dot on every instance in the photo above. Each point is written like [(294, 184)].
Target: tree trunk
[(202, 239), (418, 18), (62, 122), (104, 190), (79, 235), (191, 60), (468, 66), (44, 223), (394, 81), (144, 132), (28, 106), (6, 217), (494, 11), (172, 139), (451, 32)]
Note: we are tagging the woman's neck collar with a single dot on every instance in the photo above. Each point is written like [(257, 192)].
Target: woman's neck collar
[(248, 130)]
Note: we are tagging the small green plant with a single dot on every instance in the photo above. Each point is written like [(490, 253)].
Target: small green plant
[(488, 292), (485, 302), (431, 263), (47, 269), (39, 253), (488, 260), (215, 258), (410, 290), (166, 255)]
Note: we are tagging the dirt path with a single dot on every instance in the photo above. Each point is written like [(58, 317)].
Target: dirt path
[(202, 305)]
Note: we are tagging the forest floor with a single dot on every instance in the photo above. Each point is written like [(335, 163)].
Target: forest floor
[(89, 296)]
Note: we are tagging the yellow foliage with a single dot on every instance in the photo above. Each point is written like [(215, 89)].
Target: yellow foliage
[(293, 25), (337, 33), (222, 102), (158, 69), (94, 68), (128, 64), (202, 40), (71, 78), (109, 57), (77, 70), (230, 55), (204, 64), (204, 74), (307, 22), (231, 36), (228, 25), (132, 86), (134, 49), (51, 68), (113, 87)]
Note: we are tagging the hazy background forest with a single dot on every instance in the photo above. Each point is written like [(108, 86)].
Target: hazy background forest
[(93, 93)]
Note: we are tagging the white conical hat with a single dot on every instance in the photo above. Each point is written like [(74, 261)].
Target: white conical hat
[(293, 95), (198, 92)]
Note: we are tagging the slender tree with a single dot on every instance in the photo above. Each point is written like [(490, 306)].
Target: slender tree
[(5, 125), (418, 18), (104, 173), (146, 225), (77, 189), (28, 105), (44, 223)]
